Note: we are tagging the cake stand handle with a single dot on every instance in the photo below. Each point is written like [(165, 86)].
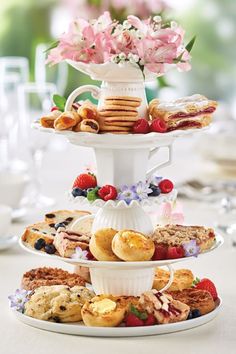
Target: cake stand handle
[(162, 164), (94, 90), (171, 278)]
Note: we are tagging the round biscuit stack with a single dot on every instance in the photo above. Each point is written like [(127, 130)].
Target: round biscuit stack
[(118, 114)]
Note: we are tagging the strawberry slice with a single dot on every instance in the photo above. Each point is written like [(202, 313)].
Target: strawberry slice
[(150, 321), (133, 321), (208, 285), (175, 252)]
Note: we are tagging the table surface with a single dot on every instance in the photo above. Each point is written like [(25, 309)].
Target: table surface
[(217, 336)]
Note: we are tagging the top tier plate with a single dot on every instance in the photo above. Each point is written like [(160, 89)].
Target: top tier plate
[(119, 141)]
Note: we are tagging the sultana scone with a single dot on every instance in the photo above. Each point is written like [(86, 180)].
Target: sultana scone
[(132, 246), (58, 303), (100, 245), (183, 279)]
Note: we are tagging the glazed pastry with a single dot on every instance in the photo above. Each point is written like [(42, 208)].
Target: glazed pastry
[(88, 126), (104, 311), (164, 307), (195, 299), (184, 113), (57, 303), (50, 276), (88, 110), (67, 120), (48, 120), (132, 246), (183, 279), (66, 242), (177, 235), (100, 245)]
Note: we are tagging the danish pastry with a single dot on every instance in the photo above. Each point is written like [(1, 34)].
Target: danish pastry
[(100, 245), (88, 110), (88, 126), (132, 246), (67, 120), (48, 120)]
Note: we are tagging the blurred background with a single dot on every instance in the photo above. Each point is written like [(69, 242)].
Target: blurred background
[(30, 162)]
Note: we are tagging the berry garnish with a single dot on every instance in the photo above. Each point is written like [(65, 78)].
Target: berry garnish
[(77, 192), (155, 191), (141, 126), (50, 249), (208, 285), (54, 108), (166, 186), (133, 321), (150, 321), (92, 194), (107, 192), (196, 313), (90, 256), (159, 253), (59, 224), (39, 244), (158, 126), (175, 252), (85, 181)]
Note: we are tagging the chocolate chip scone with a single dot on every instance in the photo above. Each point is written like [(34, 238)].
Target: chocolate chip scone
[(50, 276)]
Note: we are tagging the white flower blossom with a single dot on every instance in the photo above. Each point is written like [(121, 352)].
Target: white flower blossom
[(122, 56)]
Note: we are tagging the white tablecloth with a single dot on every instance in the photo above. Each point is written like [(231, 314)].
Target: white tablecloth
[(218, 336)]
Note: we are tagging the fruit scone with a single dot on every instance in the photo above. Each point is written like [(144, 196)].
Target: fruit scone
[(41, 235), (184, 113), (183, 239)]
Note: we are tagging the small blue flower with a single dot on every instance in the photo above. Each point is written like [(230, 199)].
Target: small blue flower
[(127, 194), (18, 300), (191, 248), (142, 190)]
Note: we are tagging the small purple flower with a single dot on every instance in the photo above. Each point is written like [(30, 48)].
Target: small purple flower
[(18, 300), (191, 248), (128, 194), (80, 254), (142, 190)]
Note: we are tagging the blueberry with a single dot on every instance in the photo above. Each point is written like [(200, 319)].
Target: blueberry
[(190, 315), (77, 192), (196, 313), (59, 224), (155, 191), (50, 249), (39, 244)]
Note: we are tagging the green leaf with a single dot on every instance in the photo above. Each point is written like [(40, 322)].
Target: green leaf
[(137, 313), (162, 82), (53, 45), (190, 44), (59, 101), (196, 281), (93, 194)]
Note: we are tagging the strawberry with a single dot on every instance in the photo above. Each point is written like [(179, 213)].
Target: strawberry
[(133, 321), (85, 181), (150, 321), (175, 252), (159, 253), (158, 125), (90, 256), (54, 108), (166, 186), (107, 192), (208, 285), (141, 126)]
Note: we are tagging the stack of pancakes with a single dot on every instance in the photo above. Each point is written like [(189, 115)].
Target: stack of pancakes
[(118, 114)]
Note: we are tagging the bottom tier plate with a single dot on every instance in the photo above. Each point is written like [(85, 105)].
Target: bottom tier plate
[(81, 330)]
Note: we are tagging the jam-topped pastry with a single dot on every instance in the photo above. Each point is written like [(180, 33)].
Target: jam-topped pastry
[(184, 113)]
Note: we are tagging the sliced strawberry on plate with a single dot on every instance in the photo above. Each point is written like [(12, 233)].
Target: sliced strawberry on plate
[(151, 320), (175, 252), (133, 321), (208, 285)]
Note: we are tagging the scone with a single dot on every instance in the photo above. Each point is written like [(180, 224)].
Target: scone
[(58, 303), (104, 311), (100, 245), (195, 299), (50, 276), (183, 279), (164, 307), (132, 246)]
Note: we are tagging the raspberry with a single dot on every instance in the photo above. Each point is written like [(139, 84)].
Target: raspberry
[(175, 252), (160, 253), (208, 285), (54, 108), (166, 186), (150, 321), (133, 321), (158, 126), (141, 126), (85, 181), (107, 192)]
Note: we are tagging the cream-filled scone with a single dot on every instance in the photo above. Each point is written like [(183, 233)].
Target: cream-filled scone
[(132, 246), (100, 245), (58, 303), (104, 311)]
